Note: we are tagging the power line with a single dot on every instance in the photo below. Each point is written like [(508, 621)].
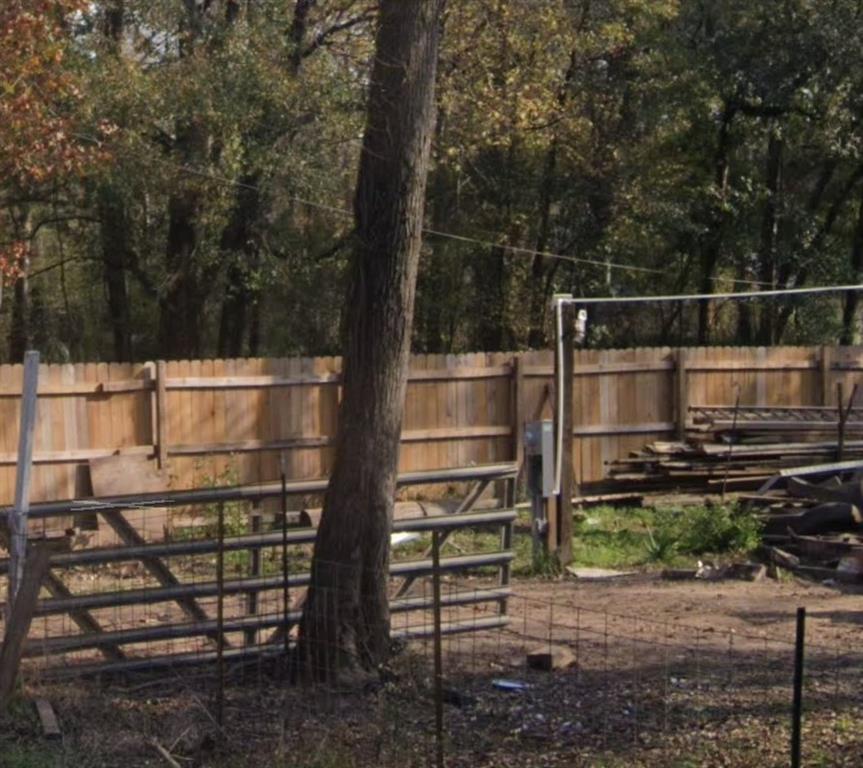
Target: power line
[(426, 230), (451, 235), (708, 296)]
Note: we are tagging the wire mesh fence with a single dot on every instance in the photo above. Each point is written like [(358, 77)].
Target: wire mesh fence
[(560, 684), (184, 644)]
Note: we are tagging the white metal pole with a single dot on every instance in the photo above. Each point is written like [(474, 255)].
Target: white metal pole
[(18, 518), (557, 303)]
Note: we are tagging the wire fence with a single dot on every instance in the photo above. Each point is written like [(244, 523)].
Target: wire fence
[(560, 684), (184, 647)]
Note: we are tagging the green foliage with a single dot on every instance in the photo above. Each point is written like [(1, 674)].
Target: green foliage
[(16, 756), (718, 529), (609, 538), (636, 132), (235, 518)]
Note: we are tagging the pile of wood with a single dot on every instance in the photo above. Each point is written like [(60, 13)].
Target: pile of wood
[(740, 448), (813, 524)]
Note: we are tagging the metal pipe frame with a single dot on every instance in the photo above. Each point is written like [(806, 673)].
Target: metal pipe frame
[(251, 653), (67, 643), (150, 595), (257, 541), (250, 492)]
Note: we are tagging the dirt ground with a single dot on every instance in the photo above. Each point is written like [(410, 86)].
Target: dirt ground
[(764, 608), (662, 673)]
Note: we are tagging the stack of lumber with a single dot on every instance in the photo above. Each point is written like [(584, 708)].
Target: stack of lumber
[(739, 449), (814, 526)]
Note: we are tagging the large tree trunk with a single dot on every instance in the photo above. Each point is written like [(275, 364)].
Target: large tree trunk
[(114, 221), (711, 247), (346, 616), (181, 306), (767, 267), (241, 293), (115, 227), (850, 321)]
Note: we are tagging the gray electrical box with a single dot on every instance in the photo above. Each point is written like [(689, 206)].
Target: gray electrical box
[(539, 456)]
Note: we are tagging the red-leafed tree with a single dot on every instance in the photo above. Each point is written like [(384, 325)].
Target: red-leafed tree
[(39, 146)]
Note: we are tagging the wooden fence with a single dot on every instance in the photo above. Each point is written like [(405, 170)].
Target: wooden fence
[(232, 420)]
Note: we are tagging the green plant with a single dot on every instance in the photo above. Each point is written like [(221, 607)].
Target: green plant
[(719, 529), (661, 545), (235, 517), (16, 756)]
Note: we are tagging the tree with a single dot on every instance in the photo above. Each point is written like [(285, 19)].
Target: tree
[(346, 614), (38, 146)]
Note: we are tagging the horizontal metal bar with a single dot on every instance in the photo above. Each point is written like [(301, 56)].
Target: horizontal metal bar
[(742, 296), (819, 469), (67, 643), (295, 536), (143, 596), (249, 653), (252, 492)]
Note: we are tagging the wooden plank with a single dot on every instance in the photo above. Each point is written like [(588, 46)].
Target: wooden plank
[(21, 615), (825, 364), (18, 524), (77, 455), (598, 430), (602, 368), (48, 719), (118, 475), (681, 392), (50, 433), (71, 475), (317, 379), (162, 438), (48, 389), (250, 382)]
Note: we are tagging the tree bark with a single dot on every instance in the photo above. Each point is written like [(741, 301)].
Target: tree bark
[(850, 322), (712, 244), (21, 327), (767, 271), (239, 241), (181, 304), (115, 227), (114, 224), (346, 615)]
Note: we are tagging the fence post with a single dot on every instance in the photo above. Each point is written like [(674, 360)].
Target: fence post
[(681, 392), (438, 650), (825, 359), (220, 620), (18, 519), (797, 705), (286, 587), (518, 412), (506, 541), (567, 485), (161, 436), (251, 634)]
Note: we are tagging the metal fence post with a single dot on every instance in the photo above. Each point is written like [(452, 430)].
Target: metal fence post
[(18, 526), (797, 705), (220, 618), (438, 650), (286, 595)]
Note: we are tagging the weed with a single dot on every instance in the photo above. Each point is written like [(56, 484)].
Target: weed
[(719, 529), (16, 756)]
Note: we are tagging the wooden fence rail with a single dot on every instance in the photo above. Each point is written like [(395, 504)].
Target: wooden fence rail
[(208, 421)]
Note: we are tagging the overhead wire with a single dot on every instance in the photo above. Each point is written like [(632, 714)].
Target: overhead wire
[(433, 232)]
